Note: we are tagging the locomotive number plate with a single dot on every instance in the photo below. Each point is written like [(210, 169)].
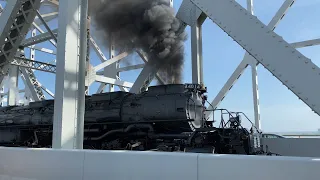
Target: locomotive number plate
[(192, 86)]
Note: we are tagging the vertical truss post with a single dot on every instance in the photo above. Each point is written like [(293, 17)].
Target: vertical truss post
[(166, 74), (2, 83), (254, 74), (1, 96), (88, 51), (256, 106), (32, 50), (196, 50), (111, 70), (250, 6), (13, 97), (27, 94), (66, 94), (82, 73)]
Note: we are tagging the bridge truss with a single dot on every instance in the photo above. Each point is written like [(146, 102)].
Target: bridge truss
[(24, 28)]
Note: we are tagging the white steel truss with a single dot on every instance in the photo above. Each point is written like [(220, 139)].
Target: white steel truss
[(274, 55)]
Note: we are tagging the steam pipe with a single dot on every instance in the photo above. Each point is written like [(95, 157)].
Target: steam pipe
[(130, 127), (169, 136)]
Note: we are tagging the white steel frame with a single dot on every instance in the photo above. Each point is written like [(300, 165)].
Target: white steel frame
[(70, 73)]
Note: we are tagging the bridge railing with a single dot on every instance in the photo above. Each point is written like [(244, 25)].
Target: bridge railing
[(52, 164)]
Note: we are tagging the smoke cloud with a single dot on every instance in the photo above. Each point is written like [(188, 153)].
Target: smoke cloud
[(147, 25)]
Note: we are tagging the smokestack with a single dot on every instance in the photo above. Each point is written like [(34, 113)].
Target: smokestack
[(147, 25)]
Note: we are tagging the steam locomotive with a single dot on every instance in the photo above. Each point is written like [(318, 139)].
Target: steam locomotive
[(163, 118)]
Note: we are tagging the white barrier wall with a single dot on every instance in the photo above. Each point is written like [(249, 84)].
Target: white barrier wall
[(44, 164), (300, 147)]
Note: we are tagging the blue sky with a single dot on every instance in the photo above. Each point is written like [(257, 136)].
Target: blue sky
[(280, 109)]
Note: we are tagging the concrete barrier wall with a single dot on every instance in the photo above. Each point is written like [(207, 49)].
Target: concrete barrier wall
[(45, 164), (300, 147)]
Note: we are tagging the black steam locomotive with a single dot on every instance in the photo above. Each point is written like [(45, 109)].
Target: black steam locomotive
[(163, 118)]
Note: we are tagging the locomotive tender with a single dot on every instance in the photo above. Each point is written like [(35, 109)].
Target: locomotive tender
[(163, 118)]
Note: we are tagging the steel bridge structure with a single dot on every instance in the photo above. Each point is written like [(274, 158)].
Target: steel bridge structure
[(25, 27), (73, 78)]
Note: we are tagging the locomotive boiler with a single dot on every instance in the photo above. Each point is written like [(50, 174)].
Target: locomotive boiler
[(163, 118)]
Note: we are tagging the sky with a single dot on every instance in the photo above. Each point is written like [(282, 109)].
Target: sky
[(280, 109)]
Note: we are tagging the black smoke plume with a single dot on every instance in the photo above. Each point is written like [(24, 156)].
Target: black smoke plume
[(147, 25)]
